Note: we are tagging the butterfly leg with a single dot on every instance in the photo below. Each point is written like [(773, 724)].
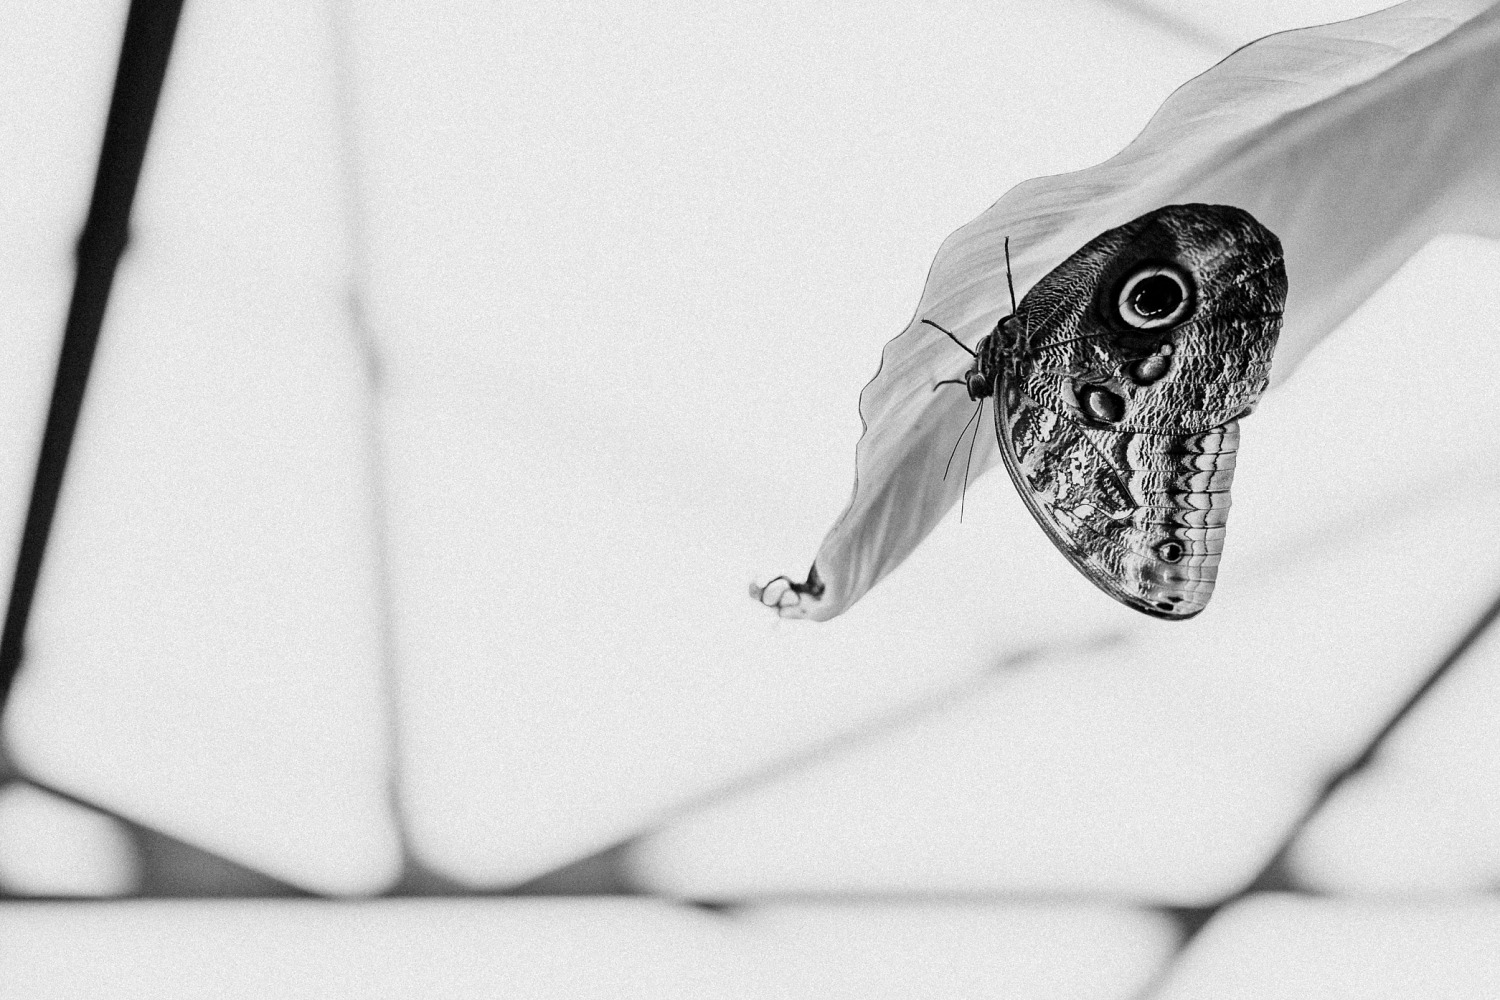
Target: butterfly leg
[(972, 418)]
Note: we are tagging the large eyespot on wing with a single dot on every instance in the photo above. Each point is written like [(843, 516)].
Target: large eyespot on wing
[(1176, 313), (1155, 296)]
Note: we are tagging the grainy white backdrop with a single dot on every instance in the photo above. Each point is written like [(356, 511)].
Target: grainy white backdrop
[(467, 363)]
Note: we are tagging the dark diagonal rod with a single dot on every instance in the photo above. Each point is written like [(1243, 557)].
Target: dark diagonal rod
[(150, 27), (1274, 874)]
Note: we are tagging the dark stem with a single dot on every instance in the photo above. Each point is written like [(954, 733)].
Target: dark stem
[(150, 28), (1274, 874)]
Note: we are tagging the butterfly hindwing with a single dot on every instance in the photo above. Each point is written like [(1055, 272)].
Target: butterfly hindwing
[(1118, 392)]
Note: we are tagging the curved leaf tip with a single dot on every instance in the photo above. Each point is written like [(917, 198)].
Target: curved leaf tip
[(790, 598)]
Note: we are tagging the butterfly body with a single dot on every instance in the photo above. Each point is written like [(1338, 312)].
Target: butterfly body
[(1118, 382)]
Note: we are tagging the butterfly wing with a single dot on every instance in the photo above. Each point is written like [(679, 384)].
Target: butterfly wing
[(1117, 399)]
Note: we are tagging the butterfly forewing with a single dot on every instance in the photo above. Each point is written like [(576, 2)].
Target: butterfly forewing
[(1117, 404)]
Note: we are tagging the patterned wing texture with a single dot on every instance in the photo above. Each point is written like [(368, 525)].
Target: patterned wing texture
[(1119, 385)]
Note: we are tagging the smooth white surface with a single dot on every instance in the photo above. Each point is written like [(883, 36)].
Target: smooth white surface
[(629, 273), (203, 655), (916, 949), (1170, 768), (572, 950), (57, 61), (1285, 948), (1425, 818), (52, 847)]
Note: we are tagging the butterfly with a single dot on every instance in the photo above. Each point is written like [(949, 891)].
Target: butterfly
[(1118, 383)]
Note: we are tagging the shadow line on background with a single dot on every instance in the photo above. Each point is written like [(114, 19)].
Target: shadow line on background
[(1276, 875), (415, 878), (1181, 28), (608, 870)]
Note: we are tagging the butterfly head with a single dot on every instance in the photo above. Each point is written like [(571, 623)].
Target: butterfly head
[(979, 380), (989, 355), (980, 385)]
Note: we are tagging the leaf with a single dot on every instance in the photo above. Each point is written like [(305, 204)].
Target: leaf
[(1354, 142)]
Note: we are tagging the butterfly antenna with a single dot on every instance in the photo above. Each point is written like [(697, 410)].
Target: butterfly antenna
[(961, 439), (949, 381), (972, 442), (1008, 282), (951, 337)]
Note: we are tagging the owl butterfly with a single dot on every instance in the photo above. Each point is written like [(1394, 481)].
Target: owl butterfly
[(1118, 384)]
